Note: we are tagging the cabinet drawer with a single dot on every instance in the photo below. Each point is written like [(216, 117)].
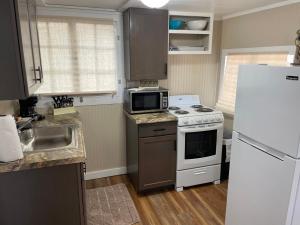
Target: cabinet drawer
[(158, 129), (198, 176)]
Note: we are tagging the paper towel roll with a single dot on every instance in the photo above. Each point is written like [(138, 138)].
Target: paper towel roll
[(10, 146)]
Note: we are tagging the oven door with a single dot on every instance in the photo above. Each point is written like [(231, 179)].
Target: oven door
[(146, 102), (199, 145)]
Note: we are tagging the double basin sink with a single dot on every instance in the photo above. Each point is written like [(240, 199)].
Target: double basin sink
[(49, 138)]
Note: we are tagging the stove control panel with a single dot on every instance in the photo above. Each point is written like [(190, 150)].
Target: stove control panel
[(195, 120)]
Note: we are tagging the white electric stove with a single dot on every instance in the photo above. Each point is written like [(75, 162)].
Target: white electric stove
[(199, 141)]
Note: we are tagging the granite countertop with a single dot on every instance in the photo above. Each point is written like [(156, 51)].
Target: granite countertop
[(40, 159), (147, 118)]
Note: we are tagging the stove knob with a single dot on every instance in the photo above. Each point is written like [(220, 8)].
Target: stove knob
[(185, 122), (199, 121)]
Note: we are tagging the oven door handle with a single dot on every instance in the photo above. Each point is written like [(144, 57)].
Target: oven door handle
[(206, 127)]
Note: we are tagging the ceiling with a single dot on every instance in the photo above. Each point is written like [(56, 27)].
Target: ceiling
[(219, 7)]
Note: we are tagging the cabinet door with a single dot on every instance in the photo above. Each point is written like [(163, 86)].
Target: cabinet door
[(35, 40), (157, 161), (44, 196), (148, 44), (26, 46), (11, 78)]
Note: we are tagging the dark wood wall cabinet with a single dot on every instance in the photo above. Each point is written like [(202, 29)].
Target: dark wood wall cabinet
[(151, 154), (145, 44), (20, 64), (46, 196)]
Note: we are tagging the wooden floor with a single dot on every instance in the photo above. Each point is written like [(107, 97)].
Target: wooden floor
[(200, 205)]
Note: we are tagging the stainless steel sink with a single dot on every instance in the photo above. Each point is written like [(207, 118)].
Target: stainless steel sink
[(48, 138)]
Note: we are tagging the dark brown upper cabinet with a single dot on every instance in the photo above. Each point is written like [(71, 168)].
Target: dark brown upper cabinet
[(20, 64), (145, 44)]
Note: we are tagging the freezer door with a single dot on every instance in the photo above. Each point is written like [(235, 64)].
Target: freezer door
[(268, 106), (259, 186)]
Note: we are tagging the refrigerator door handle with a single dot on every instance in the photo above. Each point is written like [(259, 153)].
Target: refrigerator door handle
[(270, 151)]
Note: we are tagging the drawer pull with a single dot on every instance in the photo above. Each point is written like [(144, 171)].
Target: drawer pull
[(200, 172), (160, 129)]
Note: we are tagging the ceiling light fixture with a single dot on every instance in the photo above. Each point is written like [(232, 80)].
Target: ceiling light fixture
[(155, 3)]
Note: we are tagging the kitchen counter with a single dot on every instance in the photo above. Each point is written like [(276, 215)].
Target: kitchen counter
[(148, 118), (40, 159)]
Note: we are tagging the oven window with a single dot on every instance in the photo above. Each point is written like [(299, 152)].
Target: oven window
[(200, 144), (145, 101)]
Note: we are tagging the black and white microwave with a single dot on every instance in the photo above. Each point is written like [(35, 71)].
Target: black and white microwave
[(137, 100)]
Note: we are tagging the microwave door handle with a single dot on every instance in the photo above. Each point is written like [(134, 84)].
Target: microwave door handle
[(201, 128)]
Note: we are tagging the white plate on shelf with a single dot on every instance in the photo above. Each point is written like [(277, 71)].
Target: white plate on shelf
[(190, 48)]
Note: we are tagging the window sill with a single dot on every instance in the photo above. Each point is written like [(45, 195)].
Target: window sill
[(46, 101), (97, 93), (228, 115)]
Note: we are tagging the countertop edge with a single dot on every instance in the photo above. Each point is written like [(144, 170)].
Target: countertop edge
[(151, 118)]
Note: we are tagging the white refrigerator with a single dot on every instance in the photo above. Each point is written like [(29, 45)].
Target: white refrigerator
[(264, 175)]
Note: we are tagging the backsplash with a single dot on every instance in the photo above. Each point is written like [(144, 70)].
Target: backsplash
[(196, 74), (8, 107)]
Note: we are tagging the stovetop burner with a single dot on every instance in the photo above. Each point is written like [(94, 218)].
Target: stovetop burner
[(181, 112), (197, 106), (174, 108), (203, 109)]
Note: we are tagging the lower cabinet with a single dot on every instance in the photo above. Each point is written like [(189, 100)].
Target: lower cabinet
[(151, 154), (157, 157), (46, 196)]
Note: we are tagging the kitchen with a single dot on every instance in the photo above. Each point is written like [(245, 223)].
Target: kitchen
[(236, 31)]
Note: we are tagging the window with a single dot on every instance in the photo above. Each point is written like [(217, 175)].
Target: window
[(78, 55), (226, 101)]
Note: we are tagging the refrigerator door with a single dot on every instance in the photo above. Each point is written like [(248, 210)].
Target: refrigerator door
[(268, 106), (259, 186)]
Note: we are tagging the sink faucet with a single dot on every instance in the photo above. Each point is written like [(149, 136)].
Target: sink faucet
[(25, 125), (28, 124)]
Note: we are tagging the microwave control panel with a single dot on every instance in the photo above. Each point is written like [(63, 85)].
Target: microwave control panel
[(165, 100)]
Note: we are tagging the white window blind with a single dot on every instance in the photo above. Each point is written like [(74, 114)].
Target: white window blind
[(226, 101), (78, 55)]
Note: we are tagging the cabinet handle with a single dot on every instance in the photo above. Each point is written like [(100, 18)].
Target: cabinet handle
[(159, 129), (40, 74), (200, 172), (166, 68), (84, 167)]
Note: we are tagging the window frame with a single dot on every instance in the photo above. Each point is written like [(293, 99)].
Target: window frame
[(89, 13), (225, 52)]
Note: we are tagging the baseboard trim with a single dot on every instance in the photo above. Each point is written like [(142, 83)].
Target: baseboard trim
[(105, 173)]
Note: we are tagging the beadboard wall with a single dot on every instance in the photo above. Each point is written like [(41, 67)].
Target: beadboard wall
[(8, 107), (196, 74), (104, 134)]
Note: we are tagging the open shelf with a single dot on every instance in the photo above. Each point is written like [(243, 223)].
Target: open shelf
[(189, 52), (189, 32), (191, 38)]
